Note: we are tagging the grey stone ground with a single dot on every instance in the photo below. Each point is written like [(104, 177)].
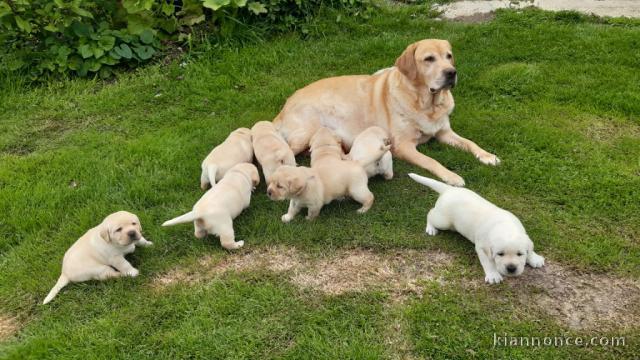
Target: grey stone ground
[(614, 8)]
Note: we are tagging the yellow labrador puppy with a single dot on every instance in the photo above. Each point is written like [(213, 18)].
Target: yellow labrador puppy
[(501, 242), (270, 148), (328, 179), (99, 253), (371, 149), (234, 150), (411, 100), (302, 186), (216, 209)]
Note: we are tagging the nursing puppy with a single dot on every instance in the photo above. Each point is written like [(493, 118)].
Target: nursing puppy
[(99, 253), (270, 148), (216, 209), (371, 149), (234, 150), (501, 242)]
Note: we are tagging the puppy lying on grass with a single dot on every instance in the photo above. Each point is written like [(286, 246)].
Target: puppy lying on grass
[(501, 242), (235, 149), (99, 253), (216, 209), (329, 178), (270, 148), (372, 149)]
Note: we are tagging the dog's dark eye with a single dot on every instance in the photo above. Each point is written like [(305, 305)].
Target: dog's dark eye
[(501, 253), (430, 58), (133, 223), (119, 229), (520, 254), (449, 56), (279, 186)]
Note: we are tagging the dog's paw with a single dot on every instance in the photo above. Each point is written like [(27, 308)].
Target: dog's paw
[(431, 230), (453, 179), (133, 272), (535, 261), (493, 278), (234, 245), (286, 218), (489, 159)]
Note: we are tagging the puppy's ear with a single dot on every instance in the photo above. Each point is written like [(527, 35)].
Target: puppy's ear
[(104, 233), (297, 185), (406, 63)]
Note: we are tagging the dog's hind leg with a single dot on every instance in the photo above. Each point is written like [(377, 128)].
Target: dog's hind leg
[(435, 222), (224, 229), (361, 193)]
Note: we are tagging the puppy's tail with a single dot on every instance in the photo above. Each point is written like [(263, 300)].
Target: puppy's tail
[(371, 158), (62, 282), (188, 217), (435, 185), (208, 176)]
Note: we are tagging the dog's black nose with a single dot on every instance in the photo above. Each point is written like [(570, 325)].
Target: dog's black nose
[(269, 192), (511, 268), (450, 73), (132, 234)]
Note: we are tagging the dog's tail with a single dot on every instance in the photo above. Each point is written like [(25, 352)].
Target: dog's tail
[(435, 185), (208, 176), (188, 217), (62, 282), (371, 158)]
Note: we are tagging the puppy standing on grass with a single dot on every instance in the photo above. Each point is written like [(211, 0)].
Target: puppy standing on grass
[(328, 179), (216, 209), (372, 149), (99, 253), (501, 242), (234, 150), (270, 148)]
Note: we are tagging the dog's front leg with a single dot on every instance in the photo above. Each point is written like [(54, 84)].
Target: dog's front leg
[(448, 136), (407, 151), (143, 242), (294, 209), (491, 274), (534, 260), (120, 263)]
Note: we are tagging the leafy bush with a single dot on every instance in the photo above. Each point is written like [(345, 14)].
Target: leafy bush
[(88, 37)]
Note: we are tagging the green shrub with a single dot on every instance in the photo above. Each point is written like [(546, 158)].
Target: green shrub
[(88, 37)]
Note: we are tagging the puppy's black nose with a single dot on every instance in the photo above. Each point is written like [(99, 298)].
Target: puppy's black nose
[(269, 192), (132, 234), (450, 73), (511, 268)]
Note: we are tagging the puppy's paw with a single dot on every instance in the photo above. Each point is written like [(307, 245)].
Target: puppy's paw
[(453, 179), (286, 218), (133, 272), (493, 278), (234, 245), (535, 261), (431, 230), (489, 159)]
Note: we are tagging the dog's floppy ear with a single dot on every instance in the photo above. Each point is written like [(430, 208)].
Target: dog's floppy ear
[(406, 63), (104, 233), (297, 185)]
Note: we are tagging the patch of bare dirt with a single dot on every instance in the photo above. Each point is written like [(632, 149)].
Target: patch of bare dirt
[(356, 270), (8, 327), (604, 130), (476, 18), (580, 300), (399, 272)]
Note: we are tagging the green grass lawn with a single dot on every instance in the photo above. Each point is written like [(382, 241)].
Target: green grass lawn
[(556, 97)]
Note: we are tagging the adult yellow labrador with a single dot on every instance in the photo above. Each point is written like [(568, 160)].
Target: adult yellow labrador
[(411, 100)]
